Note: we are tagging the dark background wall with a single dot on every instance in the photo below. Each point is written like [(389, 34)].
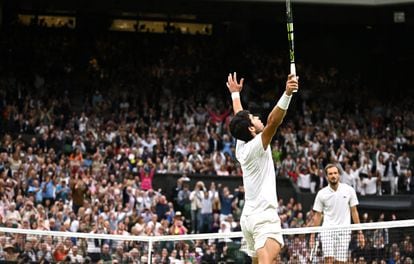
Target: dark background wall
[(374, 205)]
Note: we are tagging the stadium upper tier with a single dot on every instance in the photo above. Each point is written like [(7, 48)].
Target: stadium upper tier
[(339, 2)]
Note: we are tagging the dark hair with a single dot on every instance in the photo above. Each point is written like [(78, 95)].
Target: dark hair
[(239, 126)]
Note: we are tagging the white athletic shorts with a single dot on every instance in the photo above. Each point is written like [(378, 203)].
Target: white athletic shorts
[(336, 244), (259, 227)]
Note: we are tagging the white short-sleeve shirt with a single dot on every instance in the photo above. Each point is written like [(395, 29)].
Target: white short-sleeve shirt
[(335, 205), (259, 176), (370, 185)]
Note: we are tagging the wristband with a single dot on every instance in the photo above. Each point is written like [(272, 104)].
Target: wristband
[(235, 95), (284, 101)]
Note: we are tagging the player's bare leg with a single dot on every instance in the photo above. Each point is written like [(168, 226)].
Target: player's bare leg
[(268, 254)]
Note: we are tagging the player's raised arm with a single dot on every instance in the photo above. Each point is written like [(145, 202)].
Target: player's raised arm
[(235, 88), (275, 117)]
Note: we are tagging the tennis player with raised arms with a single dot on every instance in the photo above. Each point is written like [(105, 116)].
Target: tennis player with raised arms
[(260, 222)]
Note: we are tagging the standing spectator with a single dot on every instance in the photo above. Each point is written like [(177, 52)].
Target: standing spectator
[(82, 123), (35, 190), (320, 180), (215, 144), (185, 166), (304, 179), (385, 185), (79, 189), (161, 207), (219, 160), (369, 185), (196, 198), (227, 145), (146, 175), (391, 171), (76, 157), (406, 183), (355, 174), (346, 176), (226, 202), (366, 167), (183, 200), (62, 191), (48, 188), (206, 212), (288, 168), (404, 162)]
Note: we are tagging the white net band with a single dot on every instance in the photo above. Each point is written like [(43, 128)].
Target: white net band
[(289, 231), (379, 241)]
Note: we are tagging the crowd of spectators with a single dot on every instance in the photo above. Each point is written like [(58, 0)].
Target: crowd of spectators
[(86, 123)]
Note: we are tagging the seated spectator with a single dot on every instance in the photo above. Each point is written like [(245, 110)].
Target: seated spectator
[(105, 254), (9, 254), (178, 228), (59, 253)]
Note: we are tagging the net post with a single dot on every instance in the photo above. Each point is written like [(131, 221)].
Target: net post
[(150, 250)]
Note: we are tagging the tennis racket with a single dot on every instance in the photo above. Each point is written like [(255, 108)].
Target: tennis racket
[(289, 23)]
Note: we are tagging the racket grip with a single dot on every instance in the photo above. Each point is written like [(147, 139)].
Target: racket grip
[(293, 71)]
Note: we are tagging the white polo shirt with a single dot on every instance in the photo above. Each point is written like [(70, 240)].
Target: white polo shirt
[(259, 176), (335, 205)]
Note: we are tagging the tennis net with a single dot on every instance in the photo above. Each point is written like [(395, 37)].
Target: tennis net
[(379, 242)]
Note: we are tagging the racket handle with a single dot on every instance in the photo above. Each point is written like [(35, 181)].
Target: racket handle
[(293, 71)]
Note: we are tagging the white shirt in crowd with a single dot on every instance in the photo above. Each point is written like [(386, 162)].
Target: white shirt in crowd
[(380, 171), (207, 204), (304, 181), (369, 186)]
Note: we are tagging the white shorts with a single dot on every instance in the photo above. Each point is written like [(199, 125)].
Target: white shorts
[(258, 228), (336, 244)]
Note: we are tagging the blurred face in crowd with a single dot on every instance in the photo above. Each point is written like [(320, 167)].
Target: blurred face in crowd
[(119, 250), (164, 253), (75, 250), (43, 247), (105, 249), (28, 246), (26, 223), (134, 253)]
